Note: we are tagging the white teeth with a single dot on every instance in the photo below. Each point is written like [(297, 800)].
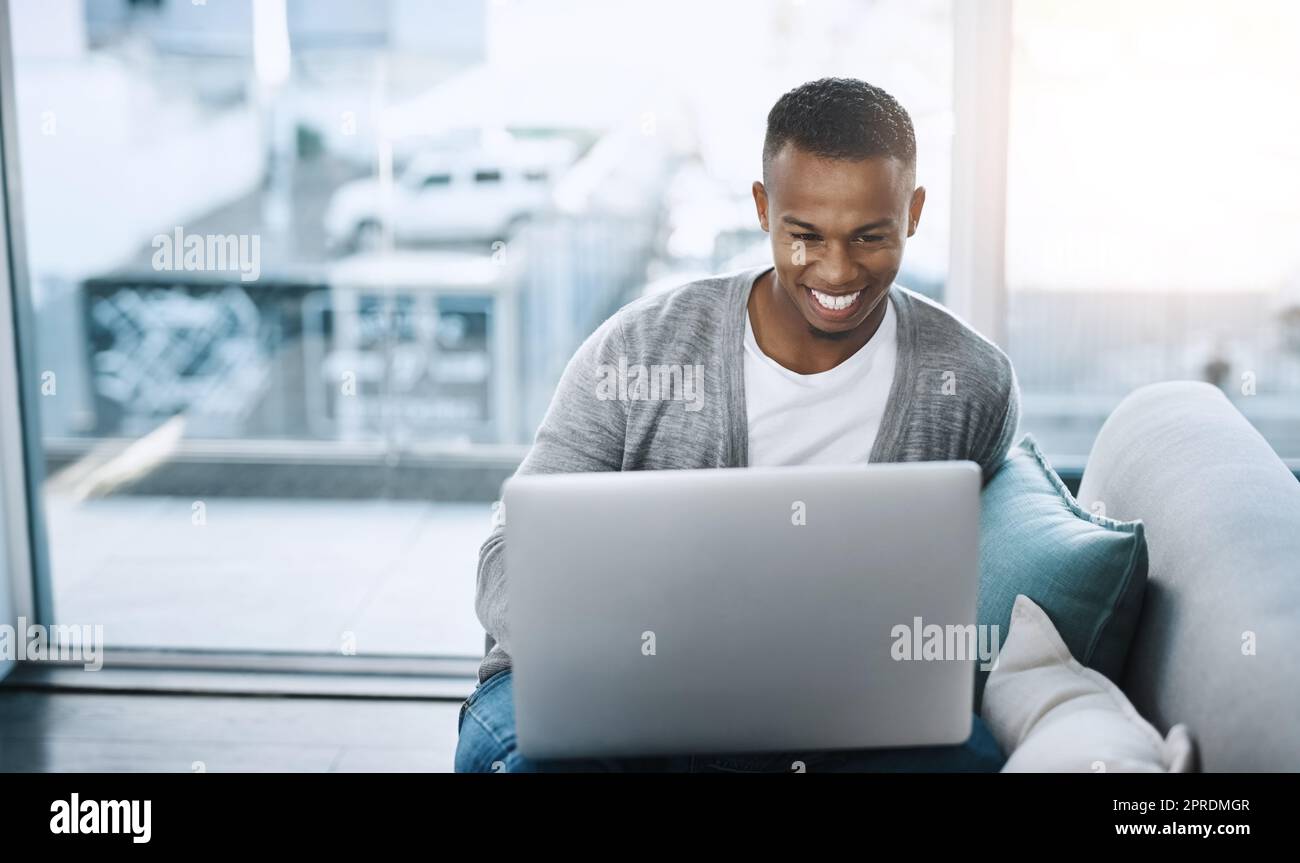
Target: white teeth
[(833, 303)]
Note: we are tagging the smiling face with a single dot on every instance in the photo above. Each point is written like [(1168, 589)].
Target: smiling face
[(838, 230)]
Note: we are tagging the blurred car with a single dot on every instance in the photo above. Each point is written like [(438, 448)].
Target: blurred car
[(441, 197)]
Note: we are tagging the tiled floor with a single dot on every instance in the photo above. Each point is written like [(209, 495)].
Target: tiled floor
[(76, 732), (268, 575)]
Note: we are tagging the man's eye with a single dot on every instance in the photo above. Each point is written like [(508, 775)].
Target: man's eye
[(871, 238), (807, 238)]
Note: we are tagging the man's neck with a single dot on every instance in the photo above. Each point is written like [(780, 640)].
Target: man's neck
[(784, 334)]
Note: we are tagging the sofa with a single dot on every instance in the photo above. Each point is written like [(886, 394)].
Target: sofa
[(1217, 646)]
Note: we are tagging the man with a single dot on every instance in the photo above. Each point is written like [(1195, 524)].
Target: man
[(818, 359)]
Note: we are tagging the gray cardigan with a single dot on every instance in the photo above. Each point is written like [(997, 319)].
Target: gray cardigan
[(954, 396)]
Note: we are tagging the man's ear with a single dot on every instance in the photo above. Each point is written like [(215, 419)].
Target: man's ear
[(914, 211), (760, 203)]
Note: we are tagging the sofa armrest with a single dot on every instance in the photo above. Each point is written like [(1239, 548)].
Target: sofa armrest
[(1215, 646)]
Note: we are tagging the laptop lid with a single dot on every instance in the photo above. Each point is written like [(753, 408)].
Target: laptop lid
[(742, 610)]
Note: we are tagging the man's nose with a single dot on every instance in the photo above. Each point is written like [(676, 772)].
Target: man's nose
[(835, 268)]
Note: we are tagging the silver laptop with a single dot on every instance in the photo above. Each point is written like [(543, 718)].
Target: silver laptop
[(741, 610)]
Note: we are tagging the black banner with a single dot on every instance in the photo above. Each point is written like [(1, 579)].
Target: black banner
[(212, 811)]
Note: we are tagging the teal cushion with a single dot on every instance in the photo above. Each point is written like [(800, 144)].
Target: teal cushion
[(1088, 572)]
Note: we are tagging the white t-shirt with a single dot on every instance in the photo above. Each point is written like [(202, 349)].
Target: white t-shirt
[(826, 418)]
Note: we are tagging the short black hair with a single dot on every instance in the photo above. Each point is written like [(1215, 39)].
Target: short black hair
[(840, 118)]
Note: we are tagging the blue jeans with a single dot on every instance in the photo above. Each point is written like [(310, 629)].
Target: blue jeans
[(487, 745)]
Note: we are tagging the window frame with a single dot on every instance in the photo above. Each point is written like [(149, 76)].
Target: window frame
[(24, 565)]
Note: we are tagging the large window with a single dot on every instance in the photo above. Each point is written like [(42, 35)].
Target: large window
[(305, 273), (1154, 209)]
